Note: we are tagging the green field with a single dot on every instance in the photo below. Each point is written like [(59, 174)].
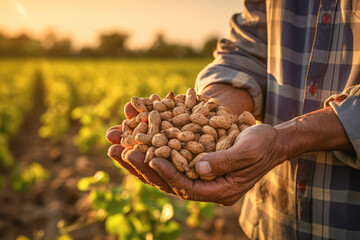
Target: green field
[(78, 100)]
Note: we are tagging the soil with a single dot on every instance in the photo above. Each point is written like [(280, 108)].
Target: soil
[(36, 213)]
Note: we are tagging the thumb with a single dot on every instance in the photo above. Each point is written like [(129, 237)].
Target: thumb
[(216, 164)]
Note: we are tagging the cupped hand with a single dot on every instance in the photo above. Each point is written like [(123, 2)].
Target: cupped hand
[(256, 151)]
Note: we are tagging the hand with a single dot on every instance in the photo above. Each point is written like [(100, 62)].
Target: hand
[(238, 100), (256, 151)]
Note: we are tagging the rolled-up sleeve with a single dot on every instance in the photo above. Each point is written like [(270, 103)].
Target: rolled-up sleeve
[(347, 107), (240, 59)]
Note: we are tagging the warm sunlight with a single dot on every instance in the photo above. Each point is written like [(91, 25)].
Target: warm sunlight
[(189, 22)]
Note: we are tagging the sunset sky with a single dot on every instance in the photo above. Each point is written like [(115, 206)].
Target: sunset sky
[(189, 22)]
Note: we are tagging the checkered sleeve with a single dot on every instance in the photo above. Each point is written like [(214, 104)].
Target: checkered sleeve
[(347, 107), (240, 59)]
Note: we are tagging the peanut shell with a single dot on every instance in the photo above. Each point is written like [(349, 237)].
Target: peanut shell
[(193, 127), (143, 138), (219, 122), (194, 147), (210, 130), (148, 103), (142, 117), (163, 152), (141, 128), (170, 104), (192, 174), (155, 97), (179, 161), (174, 144), (159, 106), (181, 120), (154, 123), (166, 125), (159, 140), (138, 104), (150, 154), (190, 100), (198, 118)]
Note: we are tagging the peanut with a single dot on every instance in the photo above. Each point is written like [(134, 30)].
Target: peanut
[(159, 140), (141, 147), (179, 110), (141, 128), (246, 118), (138, 104), (228, 141), (148, 103), (168, 103), (179, 161), (190, 100), (194, 147), (171, 132), (159, 106), (221, 132), (170, 95), (163, 152), (192, 174), (219, 122), (130, 140), (125, 128), (202, 110), (143, 138), (181, 120), (186, 154), (210, 130), (174, 144), (193, 127), (166, 125), (199, 119), (155, 97), (167, 115), (180, 98), (209, 146), (206, 138), (202, 98), (132, 123), (142, 117), (194, 161), (185, 136), (232, 128), (154, 123), (150, 154)]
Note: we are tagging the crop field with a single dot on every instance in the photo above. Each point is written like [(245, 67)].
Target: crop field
[(56, 179)]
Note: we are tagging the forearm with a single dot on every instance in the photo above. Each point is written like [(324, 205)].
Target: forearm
[(316, 131), (238, 100)]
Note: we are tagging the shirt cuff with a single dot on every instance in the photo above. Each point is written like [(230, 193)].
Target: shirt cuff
[(213, 74), (347, 107)]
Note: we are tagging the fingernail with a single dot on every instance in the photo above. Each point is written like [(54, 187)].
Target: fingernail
[(203, 168)]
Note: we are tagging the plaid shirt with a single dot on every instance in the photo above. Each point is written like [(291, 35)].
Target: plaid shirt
[(294, 57)]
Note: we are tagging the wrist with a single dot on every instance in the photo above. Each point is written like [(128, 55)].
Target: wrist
[(289, 140)]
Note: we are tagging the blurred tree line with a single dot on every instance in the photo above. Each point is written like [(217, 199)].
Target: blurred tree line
[(111, 45)]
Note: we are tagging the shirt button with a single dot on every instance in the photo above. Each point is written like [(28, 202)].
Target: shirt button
[(312, 89), (301, 186), (325, 18)]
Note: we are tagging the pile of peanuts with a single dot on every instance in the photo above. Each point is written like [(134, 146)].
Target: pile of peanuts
[(182, 128)]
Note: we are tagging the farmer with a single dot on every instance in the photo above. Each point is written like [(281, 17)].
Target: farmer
[(296, 66)]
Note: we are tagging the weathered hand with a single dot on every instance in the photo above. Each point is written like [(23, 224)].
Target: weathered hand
[(257, 150), (236, 99)]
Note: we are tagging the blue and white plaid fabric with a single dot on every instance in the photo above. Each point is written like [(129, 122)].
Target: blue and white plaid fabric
[(294, 57)]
